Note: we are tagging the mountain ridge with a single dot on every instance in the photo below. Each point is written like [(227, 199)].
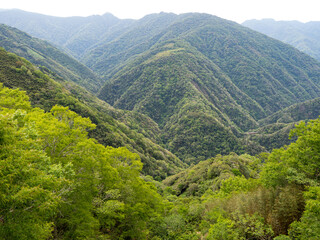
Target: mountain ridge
[(303, 36)]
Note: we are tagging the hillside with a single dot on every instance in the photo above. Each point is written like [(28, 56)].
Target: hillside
[(44, 92), (303, 36), (297, 112), (42, 53), (58, 183), (211, 173)]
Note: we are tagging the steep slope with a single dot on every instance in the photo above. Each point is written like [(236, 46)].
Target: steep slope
[(45, 92), (243, 55), (272, 136), (275, 129), (303, 36), (271, 73), (41, 53), (118, 47)]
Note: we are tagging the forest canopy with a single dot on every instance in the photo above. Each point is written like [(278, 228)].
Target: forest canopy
[(58, 183)]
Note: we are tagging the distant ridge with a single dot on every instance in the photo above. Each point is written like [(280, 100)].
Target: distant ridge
[(62, 31), (303, 36)]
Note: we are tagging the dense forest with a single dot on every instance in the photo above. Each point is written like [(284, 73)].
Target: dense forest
[(168, 127)]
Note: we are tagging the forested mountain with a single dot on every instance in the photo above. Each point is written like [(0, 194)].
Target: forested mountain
[(135, 131), (184, 89), (246, 57), (214, 77), (204, 80), (42, 53), (58, 183), (303, 36)]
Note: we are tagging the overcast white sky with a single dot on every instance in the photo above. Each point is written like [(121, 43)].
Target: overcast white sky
[(236, 10)]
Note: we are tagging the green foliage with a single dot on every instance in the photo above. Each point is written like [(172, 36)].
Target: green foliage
[(221, 172), (298, 163), (202, 96), (202, 90), (224, 229), (56, 182), (30, 191), (308, 227), (297, 112), (272, 136), (182, 77)]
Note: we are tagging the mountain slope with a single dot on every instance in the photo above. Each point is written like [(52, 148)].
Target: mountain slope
[(41, 53), (207, 80), (303, 36), (179, 90), (272, 74), (45, 92)]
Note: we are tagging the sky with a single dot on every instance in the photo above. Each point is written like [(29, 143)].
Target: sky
[(235, 10)]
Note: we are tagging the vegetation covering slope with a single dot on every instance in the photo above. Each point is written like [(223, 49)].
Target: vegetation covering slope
[(300, 111), (303, 36), (44, 92), (41, 53), (205, 82), (273, 196), (166, 86)]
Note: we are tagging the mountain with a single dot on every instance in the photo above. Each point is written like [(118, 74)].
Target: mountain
[(113, 126), (73, 34), (205, 81), (303, 36), (116, 50)]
